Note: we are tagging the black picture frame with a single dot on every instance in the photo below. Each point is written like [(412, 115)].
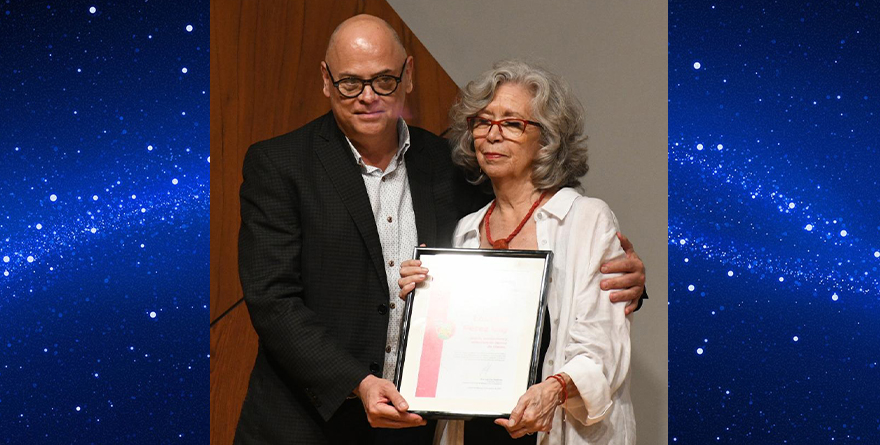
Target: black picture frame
[(460, 267)]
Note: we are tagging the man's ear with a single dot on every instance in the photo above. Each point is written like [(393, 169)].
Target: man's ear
[(410, 65), (327, 87)]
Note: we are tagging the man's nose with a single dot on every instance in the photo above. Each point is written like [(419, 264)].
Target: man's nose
[(368, 95)]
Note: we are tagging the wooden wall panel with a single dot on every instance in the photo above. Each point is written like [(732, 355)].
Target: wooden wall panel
[(266, 81), (235, 343)]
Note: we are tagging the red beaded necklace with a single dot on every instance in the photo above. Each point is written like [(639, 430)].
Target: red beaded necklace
[(503, 243)]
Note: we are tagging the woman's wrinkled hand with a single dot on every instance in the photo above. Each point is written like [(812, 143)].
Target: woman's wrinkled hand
[(534, 411), (411, 274)]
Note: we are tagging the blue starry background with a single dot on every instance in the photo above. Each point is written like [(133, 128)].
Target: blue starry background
[(774, 222), (104, 235)]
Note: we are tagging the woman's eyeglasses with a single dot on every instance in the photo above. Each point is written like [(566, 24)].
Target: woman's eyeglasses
[(480, 126)]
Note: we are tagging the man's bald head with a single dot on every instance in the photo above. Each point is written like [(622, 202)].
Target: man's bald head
[(362, 31), (366, 48)]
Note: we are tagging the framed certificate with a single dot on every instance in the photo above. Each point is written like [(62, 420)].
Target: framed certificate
[(471, 334)]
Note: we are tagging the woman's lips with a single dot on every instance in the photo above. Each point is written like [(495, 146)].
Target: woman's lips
[(492, 156)]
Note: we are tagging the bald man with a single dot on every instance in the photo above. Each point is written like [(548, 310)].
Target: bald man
[(328, 212)]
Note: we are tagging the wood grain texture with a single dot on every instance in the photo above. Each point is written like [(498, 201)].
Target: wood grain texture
[(266, 81), (233, 351)]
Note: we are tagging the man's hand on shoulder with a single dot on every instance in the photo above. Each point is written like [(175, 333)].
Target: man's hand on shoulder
[(631, 285), (385, 407)]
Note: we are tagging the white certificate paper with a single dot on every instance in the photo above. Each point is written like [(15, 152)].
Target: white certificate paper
[(472, 331)]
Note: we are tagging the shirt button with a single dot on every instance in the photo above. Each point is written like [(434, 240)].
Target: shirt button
[(383, 179), (390, 219), (544, 242), (388, 349), (392, 305), (383, 309), (550, 363), (391, 263)]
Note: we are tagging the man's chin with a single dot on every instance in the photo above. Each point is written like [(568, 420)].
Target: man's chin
[(371, 127)]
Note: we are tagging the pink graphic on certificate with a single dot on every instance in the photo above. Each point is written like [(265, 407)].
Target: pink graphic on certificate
[(438, 329)]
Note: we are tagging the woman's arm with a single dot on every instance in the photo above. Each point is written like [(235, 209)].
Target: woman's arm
[(597, 347)]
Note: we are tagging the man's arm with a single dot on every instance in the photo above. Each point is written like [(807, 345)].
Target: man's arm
[(630, 286), (270, 242), (270, 255)]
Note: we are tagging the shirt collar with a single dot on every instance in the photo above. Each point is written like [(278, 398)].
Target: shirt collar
[(558, 206), (403, 143)]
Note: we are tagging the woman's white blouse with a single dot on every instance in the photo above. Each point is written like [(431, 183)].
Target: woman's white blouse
[(590, 333)]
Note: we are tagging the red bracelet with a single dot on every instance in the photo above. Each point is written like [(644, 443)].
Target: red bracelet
[(561, 381)]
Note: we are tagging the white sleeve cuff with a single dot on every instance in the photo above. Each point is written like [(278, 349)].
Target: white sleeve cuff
[(593, 400)]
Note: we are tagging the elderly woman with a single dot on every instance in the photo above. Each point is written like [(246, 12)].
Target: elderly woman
[(521, 128)]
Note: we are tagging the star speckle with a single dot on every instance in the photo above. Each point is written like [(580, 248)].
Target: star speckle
[(788, 204), (85, 90)]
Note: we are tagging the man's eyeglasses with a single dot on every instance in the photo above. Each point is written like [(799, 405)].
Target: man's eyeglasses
[(383, 85), (480, 126)]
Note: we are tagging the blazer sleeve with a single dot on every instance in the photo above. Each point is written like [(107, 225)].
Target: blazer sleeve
[(597, 350), (270, 245)]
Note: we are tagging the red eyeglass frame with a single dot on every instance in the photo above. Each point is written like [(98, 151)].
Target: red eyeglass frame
[(492, 123)]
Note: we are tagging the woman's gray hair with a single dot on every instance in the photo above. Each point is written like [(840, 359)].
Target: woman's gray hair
[(562, 158)]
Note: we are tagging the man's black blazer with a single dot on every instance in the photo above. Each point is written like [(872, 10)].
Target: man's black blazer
[(312, 272)]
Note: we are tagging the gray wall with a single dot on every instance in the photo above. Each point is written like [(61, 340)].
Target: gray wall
[(614, 55)]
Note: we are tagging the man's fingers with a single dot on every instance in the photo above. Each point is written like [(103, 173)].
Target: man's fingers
[(397, 400), (622, 282), (411, 263), (418, 278), (625, 244), (386, 411), (407, 271), (625, 265), (406, 421), (384, 415), (631, 307), (405, 290), (626, 295)]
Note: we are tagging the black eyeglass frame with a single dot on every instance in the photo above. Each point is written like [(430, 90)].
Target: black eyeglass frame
[(365, 82), (492, 123)]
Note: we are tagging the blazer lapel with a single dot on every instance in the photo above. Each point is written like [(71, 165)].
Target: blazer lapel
[(420, 174), (335, 155)]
